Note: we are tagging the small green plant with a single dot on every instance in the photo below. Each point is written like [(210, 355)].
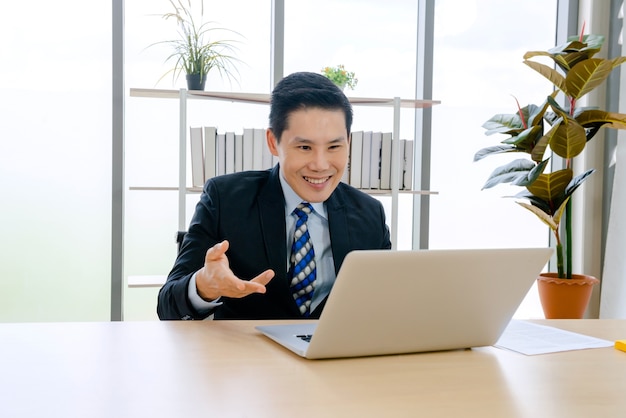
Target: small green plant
[(196, 51), (340, 76)]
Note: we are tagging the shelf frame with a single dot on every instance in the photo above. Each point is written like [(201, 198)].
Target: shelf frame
[(183, 95)]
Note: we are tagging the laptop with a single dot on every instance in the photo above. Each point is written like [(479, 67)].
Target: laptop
[(394, 302)]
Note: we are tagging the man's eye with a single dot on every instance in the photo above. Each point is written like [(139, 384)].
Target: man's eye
[(305, 147)]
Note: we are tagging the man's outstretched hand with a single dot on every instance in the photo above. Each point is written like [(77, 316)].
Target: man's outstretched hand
[(216, 278)]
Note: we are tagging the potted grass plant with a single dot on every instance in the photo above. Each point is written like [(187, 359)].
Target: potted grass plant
[(198, 50), (558, 127)]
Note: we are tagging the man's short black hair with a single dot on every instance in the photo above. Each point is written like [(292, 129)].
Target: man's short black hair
[(303, 90)]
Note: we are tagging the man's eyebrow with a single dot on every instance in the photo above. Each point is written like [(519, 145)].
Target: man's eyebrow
[(336, 140), (303, 140), (308, 141)]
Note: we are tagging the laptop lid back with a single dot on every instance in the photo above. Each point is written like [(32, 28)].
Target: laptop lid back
[(391, 302)]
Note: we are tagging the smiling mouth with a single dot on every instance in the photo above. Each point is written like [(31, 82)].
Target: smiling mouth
[(316, 181)]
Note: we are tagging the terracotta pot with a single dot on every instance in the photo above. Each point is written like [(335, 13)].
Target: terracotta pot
[(565, 298)]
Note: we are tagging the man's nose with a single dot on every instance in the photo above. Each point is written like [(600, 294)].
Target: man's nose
[(319, 160)]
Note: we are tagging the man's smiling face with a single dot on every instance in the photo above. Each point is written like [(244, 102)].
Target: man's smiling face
[(313, 151)]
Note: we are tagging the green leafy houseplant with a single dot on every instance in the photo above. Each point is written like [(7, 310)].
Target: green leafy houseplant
[(340, 76), (549, 129), (196, 52)]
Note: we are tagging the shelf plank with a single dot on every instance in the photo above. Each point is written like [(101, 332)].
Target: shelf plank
[(165, 188), (146, 281), (199, 190), (388, 192), (260, 98)]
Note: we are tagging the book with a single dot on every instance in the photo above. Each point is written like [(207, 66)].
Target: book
[(259, 147), (377, 138), (238, 153), (397, 173), (210, 163), (385, 161), (267, 158), (230, 152), (356, 153), (197, 156), (366, 160), (345, 177), (220, 150), (408, 165), (248, 148)]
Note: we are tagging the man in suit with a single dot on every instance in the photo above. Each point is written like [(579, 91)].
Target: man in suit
[(235, 260)]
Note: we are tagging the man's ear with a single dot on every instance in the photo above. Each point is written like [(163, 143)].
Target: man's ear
[(272, 142)]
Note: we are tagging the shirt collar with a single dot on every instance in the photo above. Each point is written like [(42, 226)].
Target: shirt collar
[(292, 199)]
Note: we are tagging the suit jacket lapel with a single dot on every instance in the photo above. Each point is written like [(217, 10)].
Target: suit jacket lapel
[(272, 212), (338, 227)]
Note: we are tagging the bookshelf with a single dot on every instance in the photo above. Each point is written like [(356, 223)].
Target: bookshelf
[(184, 96)]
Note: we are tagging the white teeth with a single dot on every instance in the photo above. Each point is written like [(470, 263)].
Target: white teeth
[(316, 181)]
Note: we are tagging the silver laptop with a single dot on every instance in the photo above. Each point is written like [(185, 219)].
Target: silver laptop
[(392, 302)]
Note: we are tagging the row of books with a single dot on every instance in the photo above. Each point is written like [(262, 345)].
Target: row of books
[(214, 153), (371, 155)]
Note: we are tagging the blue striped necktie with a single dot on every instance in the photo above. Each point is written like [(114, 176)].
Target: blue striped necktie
[(302, 270)]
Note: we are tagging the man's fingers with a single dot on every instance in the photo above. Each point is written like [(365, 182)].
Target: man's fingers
[(217, 251), (255, 285), (264, 278), (221, 279)]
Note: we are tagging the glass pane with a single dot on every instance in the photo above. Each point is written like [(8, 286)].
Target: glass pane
[(375, 40), (152, 126), (55, 161), (478, 72)]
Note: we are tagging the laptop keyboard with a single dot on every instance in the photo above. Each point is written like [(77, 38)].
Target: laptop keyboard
[(305, 337)]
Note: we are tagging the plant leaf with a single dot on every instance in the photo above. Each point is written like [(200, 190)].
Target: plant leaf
[(503, 123), (496, 149), (586, 76), (596, 118), (536, 154), (577, 181), (533, 174), (530, 113), (536, 118), (544, 217), (560, 211), (534, 200), (591, 41), (556, 107), (618, 61), (513, 172), (567, 139), (572, 45), (551, 186), (550, 73), (526, 139)]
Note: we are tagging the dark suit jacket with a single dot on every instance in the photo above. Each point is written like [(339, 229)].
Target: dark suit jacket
[(248, 209)]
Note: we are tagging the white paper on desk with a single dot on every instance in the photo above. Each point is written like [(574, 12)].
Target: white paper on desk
[(530, 339)]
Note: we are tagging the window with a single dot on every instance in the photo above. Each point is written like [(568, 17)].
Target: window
[(152, 126), (478, 70)]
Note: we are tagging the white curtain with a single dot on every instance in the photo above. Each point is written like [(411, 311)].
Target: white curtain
[(613, 295)]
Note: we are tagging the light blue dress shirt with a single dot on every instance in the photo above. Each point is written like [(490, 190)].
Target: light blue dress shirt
[(317, 224)]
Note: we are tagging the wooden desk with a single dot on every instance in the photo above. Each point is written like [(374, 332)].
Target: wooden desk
[(227, 369)]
